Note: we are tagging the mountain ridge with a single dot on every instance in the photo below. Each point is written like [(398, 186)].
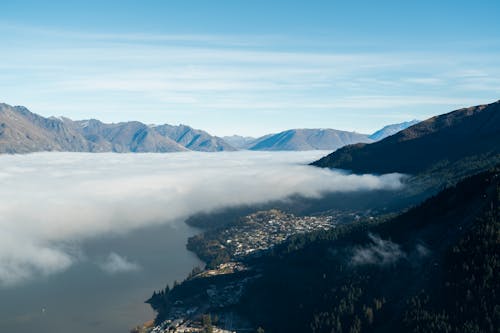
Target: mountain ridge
[(312, 138), (307, 139), (194, 139), (22, 131), (239, 141), (392, 129), (466, 133)]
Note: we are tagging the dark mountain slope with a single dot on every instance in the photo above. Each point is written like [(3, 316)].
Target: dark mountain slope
[(434, 268), (392, 129), (471, 133)]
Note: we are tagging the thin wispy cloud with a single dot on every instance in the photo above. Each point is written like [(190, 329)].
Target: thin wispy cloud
[(384, 252), (378, 252), (199, 79)]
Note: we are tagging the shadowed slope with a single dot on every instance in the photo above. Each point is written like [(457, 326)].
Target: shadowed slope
[(469, 133)]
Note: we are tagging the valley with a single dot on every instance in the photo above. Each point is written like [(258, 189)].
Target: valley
[(249, 166), (357, 270)]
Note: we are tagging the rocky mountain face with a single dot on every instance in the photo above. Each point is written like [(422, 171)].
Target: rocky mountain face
[(308, 139), (392, 129), (125, 137), (462, 138), (22, 131), (193, 139)]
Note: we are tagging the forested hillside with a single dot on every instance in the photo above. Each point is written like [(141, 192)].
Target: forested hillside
[(435, 268)]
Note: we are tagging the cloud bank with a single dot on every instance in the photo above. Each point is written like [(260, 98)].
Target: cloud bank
[(49, 201)]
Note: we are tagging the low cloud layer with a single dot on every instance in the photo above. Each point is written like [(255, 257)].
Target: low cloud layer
[(49, 201)]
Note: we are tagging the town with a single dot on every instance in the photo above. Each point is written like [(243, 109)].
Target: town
[(262, 230), (251, 236)]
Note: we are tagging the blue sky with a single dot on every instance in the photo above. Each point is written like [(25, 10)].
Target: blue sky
[(250, 67)]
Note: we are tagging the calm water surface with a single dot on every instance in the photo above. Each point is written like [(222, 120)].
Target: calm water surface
[(86, 299)]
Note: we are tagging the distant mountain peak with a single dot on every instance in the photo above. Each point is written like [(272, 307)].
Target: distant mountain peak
[(308, 139), (194, 139), (238, 141), (392, 129)]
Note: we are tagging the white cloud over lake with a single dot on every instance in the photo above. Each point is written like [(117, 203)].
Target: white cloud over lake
[(115, 263), (50, 200)]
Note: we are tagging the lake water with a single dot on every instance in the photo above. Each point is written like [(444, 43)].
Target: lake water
[(86, 299)]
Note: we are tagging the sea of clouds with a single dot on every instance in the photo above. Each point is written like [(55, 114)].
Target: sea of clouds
[(49, 202)]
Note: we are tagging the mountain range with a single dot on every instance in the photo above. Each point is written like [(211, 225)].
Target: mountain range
[(312, 138), (308, 139), (299, 139), (22, 131)]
